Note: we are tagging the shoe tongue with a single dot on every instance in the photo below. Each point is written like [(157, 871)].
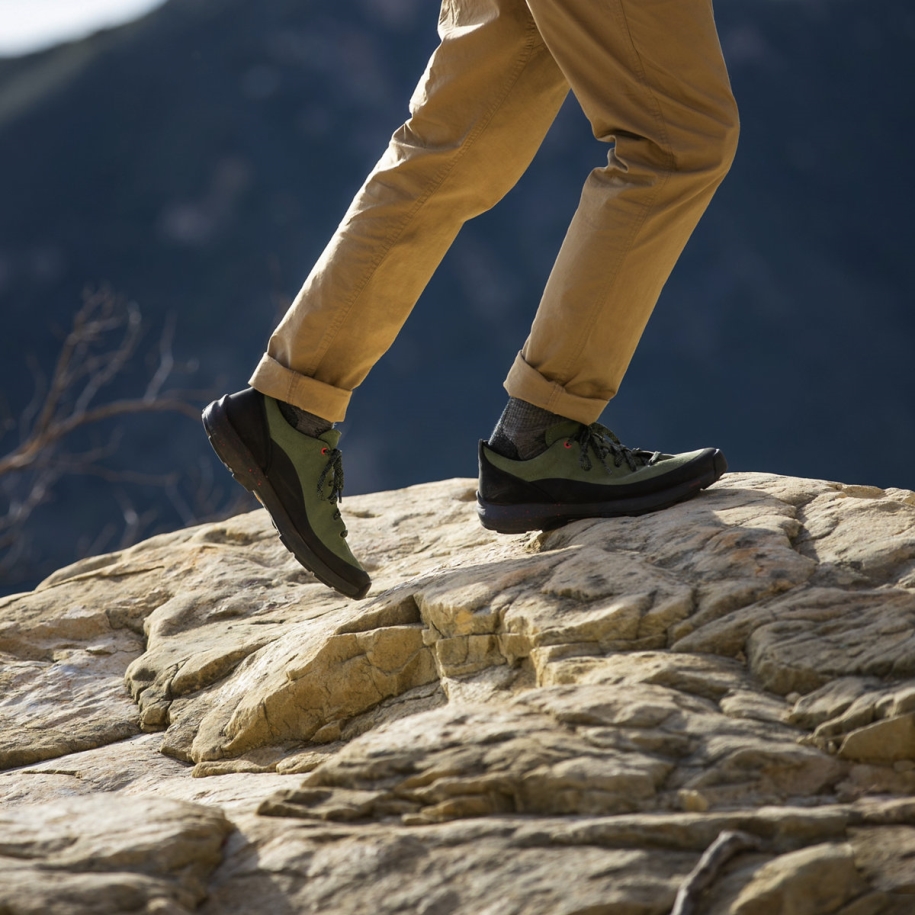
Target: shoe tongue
[(332, 436), (564, 429)]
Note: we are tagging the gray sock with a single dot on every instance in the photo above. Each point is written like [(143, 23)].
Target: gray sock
[(519, 434), (304, 421)]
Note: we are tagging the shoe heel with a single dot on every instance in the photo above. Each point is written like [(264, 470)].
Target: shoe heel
[(511, 519), (231, 450)]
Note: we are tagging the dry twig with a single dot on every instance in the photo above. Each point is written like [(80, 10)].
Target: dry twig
[(703, 875), (101, 344)]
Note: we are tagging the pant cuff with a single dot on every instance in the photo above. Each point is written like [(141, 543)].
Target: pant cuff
[(526, 383), (309, 394)]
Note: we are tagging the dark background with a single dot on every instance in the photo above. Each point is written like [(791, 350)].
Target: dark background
[(198, 160)]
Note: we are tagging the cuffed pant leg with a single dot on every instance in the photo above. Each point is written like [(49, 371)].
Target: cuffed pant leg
[(650, 77), (481, 110)]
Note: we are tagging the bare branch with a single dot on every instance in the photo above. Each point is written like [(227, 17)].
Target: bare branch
[(134, 522), (179, 503), (96, 351), (34, 405), (60, 379), (38, 443), (166, 361), (21, 509), (101, 370), (92, 545), (125, 476)]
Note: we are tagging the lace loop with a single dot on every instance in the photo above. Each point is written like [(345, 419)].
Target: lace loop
[(605, 444)]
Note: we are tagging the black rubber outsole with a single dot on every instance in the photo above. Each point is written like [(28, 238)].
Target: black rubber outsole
[(239, 461), (536, 516)]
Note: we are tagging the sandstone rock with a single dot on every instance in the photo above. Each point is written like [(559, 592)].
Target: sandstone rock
[(108, 855), (568, 750), (829, 703), (883, 742), (576, 715), (886, 857), (872, 780), (488, 867), (819, 880), (131, 768), (62, 663)]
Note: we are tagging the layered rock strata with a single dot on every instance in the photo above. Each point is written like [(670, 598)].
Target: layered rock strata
[(559, 723)]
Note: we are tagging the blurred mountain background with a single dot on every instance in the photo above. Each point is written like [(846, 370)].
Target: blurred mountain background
[(197, 160)]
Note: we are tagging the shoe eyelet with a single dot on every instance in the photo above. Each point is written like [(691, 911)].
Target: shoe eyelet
[(568, 444), (323, 451)]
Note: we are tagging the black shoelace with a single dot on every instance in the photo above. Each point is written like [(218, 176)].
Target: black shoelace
[(333, 469), (605, 444)]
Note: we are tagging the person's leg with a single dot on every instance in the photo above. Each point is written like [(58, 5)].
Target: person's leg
[(488, 96), (481, 110), (651, 79)]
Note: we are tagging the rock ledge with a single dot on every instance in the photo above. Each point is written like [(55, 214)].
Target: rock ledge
[(560, 723)]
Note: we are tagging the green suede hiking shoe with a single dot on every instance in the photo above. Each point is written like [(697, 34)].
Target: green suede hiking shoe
[(297, 478), (586, 473)]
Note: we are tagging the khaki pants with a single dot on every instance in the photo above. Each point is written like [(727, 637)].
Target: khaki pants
[(651, 79)]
